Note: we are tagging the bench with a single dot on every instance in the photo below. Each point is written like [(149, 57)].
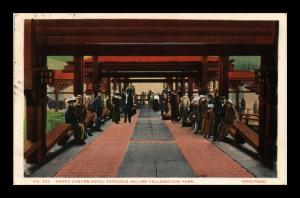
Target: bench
[(90, 118), (239, 130), (30, 147), (59, 134)]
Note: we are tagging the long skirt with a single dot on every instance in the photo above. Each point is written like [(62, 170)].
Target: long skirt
[(207, 126), (115, 114)]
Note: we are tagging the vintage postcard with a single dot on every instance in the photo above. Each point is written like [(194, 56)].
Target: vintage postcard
[(156, 99)]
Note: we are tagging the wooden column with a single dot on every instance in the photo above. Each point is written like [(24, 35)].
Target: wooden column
[(268, 109), (214, 84), (176, 83), (79, 75), (190, 87), (119, 85), (96, 76), (223, 76), (182, 89), (114, 84), (169, 83), (35, 89), (108, 88), (204, 88)]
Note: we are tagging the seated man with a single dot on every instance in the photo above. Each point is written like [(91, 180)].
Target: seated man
[(72, 118), (81, 113)]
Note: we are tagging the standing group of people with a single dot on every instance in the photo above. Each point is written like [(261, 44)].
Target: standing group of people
[(122, 103), (76, 112), (212, 116), (207, 114)]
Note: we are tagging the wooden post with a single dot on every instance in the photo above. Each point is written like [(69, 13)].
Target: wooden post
[(214, 84), (108, 88), (95, 81), (119, 85), (170, 83), (176, 83), (79, 75), (268, 109), (182, 87), (115, 84), (190, 87), (223, 76), (204, 88), (35, 90)]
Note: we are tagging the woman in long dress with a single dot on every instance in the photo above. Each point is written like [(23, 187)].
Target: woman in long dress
[(208, 121), (115, 109)]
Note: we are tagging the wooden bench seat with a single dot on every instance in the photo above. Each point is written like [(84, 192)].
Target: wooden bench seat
[(240, 129), (57, 134), (30, 147)]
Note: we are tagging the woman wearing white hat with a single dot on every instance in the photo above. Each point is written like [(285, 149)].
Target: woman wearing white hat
[(208, 120), (71, 118)]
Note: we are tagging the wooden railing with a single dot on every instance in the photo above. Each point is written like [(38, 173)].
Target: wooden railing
[(253, 118), (243, 133)]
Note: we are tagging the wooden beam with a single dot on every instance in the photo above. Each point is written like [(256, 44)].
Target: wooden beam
[(153, 30), (168, 80), (146, 74), (165, 23), (156, 49), (211, 39)]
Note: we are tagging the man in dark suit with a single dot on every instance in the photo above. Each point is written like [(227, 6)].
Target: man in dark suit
[(98, 106), (127, 104)]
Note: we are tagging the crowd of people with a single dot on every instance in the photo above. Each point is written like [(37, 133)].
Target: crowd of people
[(209, 115), (76, 112)]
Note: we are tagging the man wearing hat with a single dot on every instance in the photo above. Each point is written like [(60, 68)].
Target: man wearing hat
[(127, 102), (71, 117), (228, 119), (219, 114)]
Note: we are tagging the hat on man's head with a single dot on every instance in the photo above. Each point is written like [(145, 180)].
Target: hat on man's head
[(71, 98), (230, 101), (79, 96), (210, 95)]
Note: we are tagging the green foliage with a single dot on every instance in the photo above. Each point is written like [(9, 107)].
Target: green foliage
[(58, 62), (54, 118), (246, 62)]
